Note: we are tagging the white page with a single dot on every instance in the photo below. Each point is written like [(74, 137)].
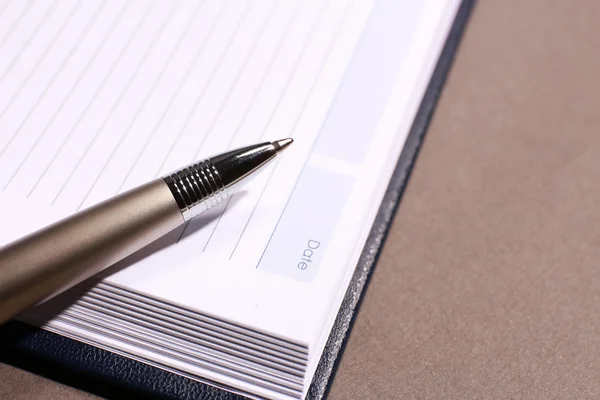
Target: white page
[(99, 96), (121, 92)]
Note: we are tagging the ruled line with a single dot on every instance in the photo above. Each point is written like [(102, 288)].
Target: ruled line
[(263, 79), (285, 88), (330, 46), (109, 73), (73, 88), (291, 76), (239, 74), (153, 42), (282, 93), (198, 99), (279, 46), (276, 106), (229, 145), (28, 41), (36, 66), (15, 23), (153, 86), (217, 224), (3, 9), (184, 77), (58, 71), (262, 192), (222, 56)]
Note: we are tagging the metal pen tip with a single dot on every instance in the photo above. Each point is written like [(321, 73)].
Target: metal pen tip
[(281, 144)]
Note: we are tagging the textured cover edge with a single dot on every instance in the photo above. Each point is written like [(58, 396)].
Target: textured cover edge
[(111, 375), (338, 337)]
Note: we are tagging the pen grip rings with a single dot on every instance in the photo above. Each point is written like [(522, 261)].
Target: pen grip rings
[(196, 188)]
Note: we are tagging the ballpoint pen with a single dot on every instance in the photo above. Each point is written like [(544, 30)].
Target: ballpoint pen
[(55, 258)]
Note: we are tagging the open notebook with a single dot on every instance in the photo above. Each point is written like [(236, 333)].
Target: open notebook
[(97, 97)]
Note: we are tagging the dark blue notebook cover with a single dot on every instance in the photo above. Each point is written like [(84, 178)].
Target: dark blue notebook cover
[(113, 376)]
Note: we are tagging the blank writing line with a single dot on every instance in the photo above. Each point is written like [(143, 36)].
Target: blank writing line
[(184, 77), (58, 71), (291, 76), (153, 41), (329, 49), (266, 73), (72, 90), (15, 23), (234, 35), (34, 69), (3, 9), (153, 86), (240, 72), (217, 224), (284, 90), (262, 192), (200, 96), (93, 97), (28, 41), (231, 90)]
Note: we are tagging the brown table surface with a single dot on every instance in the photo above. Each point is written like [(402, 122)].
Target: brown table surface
[(489, 283)]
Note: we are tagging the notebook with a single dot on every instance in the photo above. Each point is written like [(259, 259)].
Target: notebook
[(97, 97)]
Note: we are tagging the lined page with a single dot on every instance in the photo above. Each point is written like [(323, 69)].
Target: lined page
[(97, 97)]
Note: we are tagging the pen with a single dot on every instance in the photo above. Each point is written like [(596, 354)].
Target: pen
[(53, 259)]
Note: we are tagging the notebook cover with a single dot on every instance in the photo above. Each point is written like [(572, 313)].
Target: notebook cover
[(110, 375)]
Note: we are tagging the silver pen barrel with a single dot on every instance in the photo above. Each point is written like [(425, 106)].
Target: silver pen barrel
[(55, 258), (202, 185)]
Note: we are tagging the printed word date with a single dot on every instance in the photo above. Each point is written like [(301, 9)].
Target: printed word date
[(308, 253)]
